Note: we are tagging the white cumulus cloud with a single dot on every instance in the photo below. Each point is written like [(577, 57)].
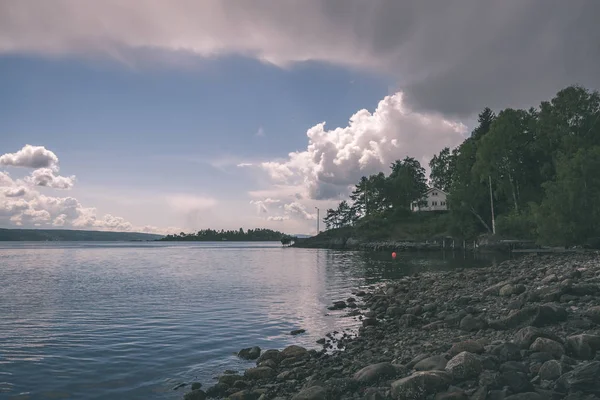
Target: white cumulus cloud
[(30, 157), (46, 177), (336, 159)]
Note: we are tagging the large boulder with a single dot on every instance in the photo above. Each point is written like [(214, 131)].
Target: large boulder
[(550, 370), (311, 393), (471, 323), (544, 345), (593, 313), (251, 353), (294, 351), (547, 314), (526, 336), (432, 363), (464, 366), (584, 377), (510, 289), (583, 346), (274, 355), (471, 346), (375, 372), (195, 395), (420, 384), (259, 373)]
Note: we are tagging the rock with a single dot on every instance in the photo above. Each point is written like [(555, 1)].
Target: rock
[(321, 341), (312, 393), (516, 381), (375, 372), (550, 370), (407, 320), (548, 346), (294, 351), (585, 377), (394, 311), (509, 290), (217, 390), (471, 323), (525, 396), (432, 363), (229, 379), (274, 355), (196, 385), (420, 384), (251, 353), (583, 346), (369, 322), (297, 332), (179, 386), (526, 336), (506, 352), (547, 314), (468, 345), (267, 363), (259, 373), (464, 366), (244, 395), (338, 305), (494, 290), (456, 394), (593, 313), (195, 395)]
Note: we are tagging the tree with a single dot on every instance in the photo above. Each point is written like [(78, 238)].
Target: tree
[(406, 184), (570, 212), (442, 168)]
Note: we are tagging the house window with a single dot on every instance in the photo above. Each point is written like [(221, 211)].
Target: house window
[(434, 194), (434, 203), (443, 203)]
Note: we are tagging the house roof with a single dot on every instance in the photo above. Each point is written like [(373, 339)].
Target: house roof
[(434, 188)]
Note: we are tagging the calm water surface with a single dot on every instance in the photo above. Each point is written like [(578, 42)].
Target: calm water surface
[(131, 320)]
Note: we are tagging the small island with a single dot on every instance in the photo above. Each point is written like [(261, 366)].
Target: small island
[(211, 235)]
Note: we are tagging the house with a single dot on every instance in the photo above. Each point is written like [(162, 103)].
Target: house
[(433, 200)]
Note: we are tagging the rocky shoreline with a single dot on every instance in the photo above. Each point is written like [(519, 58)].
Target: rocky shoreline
[(525, 329)]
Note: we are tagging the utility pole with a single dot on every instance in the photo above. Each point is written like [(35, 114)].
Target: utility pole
[(492, 206), (317, 220)]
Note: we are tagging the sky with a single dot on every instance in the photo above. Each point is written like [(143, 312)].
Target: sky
[(177, 116)]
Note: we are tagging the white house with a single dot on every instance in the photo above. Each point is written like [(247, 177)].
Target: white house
[(435, 200)]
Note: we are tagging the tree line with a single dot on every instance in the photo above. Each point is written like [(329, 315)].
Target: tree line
[(539, 167), (211, 235)]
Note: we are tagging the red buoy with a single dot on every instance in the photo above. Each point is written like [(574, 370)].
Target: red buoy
[(394, 255)]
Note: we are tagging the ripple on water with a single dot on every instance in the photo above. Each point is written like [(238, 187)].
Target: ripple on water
[(125, 321)]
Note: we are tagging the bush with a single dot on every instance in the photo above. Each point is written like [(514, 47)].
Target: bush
[(516, 225)]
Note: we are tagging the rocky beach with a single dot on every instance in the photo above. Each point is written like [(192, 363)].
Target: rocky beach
[(525, 329)]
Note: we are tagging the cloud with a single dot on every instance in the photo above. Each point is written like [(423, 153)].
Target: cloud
[(278, 218), (336, 159), (30, 157), (46, 177), (22, 205), (297, 209), (15, 192), (451, 56), (260, 132), (186, 202), (260, 206), (244, 165)]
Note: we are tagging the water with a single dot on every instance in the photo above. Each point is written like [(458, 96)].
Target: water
[(131, 320)]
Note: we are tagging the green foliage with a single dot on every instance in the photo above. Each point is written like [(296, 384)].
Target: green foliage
[(540, 168), (210, 235), (58, 235)]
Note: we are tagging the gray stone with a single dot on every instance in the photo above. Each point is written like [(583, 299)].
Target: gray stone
[(510, 289), (584, 377), (311, 393), (432, 363), (375, 372), (259, 373), (468, 345), (464, 366), (471, 323), (251, 353), (274, 355), (548, 346), (420, 384), (195, 395), (229, 379), (294, 351), (526, 336), (583, 346), (550, 370), (525, 396)]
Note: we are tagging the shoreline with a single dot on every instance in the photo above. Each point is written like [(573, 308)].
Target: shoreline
[(527, 328)]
